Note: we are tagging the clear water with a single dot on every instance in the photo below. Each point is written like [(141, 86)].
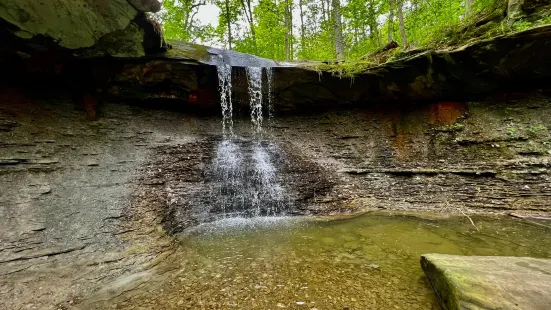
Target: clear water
[(367, 262)]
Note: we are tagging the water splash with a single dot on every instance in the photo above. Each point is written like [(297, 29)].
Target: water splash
[(244, 180), (254, 77), (227, 171), (225, 88)]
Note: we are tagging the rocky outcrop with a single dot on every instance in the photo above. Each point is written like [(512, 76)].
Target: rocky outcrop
[(517, 9), (77, 25), (489, 282), (71, 24), (461, 73), (148, 69), (146, 5), (456, 74)]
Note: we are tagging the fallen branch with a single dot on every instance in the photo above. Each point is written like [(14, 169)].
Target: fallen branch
[(470, 219)]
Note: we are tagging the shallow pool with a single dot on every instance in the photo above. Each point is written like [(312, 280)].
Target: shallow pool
[(366, 262)]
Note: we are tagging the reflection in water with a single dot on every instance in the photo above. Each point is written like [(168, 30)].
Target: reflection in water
[(368, 262)]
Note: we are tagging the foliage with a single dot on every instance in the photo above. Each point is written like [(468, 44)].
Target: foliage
[(367, 25)]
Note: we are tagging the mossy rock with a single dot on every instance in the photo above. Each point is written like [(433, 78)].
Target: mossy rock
[(71, 24), (188, 51), (489, 282)]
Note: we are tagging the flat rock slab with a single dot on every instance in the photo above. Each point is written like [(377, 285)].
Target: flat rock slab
[(489, 282)]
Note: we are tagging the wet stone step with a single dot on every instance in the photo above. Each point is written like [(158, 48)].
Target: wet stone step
[(489, 282)]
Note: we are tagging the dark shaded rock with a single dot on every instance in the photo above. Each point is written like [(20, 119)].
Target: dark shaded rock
[(146, 5), (489, 282), (126, 42), (6, 125)]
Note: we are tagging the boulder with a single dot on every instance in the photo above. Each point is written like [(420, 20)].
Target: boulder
[(489, 282), (69, 23)]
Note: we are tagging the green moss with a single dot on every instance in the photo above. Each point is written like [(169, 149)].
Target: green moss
[(512, 131), (188, 51), (343, 69)]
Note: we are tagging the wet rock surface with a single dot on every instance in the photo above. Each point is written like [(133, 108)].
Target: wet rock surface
[(485, 282), (83, 203), (445, 156), (183, 180)]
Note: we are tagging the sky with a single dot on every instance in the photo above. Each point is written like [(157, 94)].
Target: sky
[(208, 14)]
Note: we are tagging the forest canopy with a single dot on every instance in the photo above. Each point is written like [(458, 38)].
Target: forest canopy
[(323, 29)]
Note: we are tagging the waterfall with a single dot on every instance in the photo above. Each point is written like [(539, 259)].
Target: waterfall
[(243, 179), (254, 77), (224, 85), (270, 78)]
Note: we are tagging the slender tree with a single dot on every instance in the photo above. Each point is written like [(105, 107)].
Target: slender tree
[(288, 29), (337, 28), (247, 10), (228, 19), (390, 20), (402, 24), (302, 30)]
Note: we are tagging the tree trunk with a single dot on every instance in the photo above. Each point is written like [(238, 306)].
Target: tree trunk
[(468, 7), (290, 9), (323, 9), (301, 25), (402, 24), (229, 23), (249, 16), (287, 39), (328, 3), (390, 20), (337, 27)]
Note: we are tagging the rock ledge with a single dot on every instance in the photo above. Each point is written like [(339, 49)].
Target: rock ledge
[(489, 282)]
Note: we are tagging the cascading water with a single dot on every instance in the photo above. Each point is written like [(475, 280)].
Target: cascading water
[(243, 174), (270, 78), (224, 84), (244, 180), (254, 77)]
